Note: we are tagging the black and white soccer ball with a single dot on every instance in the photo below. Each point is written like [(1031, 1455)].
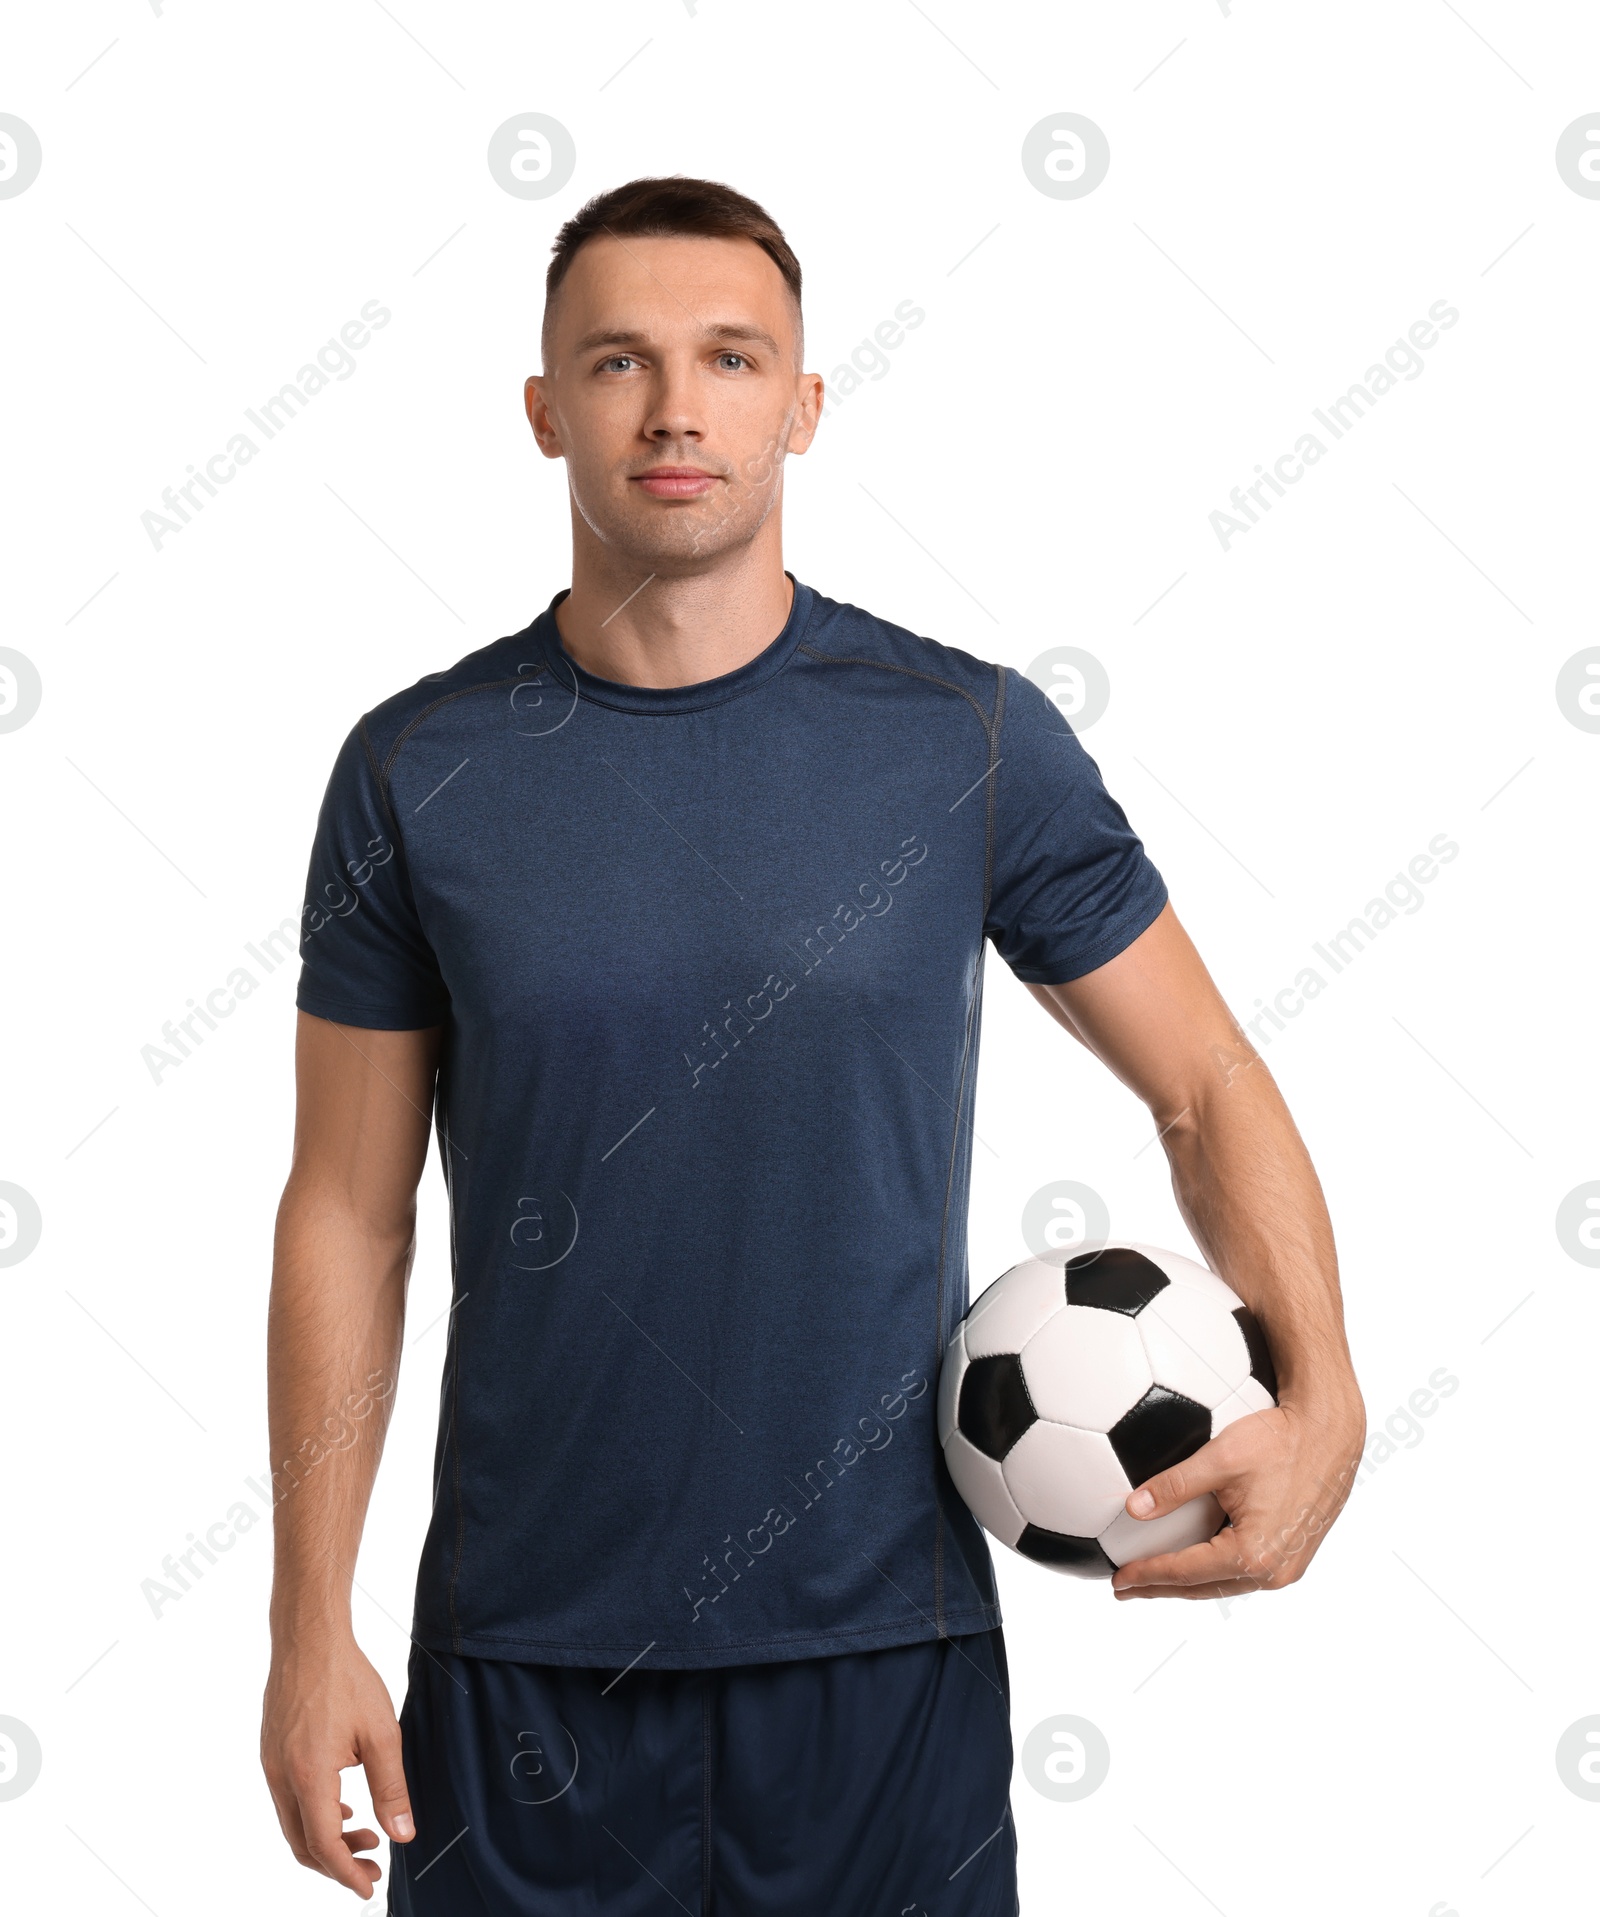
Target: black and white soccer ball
[(1075, 1378)]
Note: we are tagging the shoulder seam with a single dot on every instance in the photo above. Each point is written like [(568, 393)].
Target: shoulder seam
[(480, 685), (884, 665), (377, 774)]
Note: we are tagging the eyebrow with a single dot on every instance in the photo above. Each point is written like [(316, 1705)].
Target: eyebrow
[(726, 331)]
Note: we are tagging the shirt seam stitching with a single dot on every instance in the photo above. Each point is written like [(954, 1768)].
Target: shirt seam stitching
[(461, 692), (455, 1482), (377, 775), (994, 747), (944, 1232), (885, 665)]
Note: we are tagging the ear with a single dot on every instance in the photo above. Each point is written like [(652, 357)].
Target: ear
[(540, 418), (809, 397)]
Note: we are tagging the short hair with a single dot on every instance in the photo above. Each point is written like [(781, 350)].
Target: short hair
[(661, 208)]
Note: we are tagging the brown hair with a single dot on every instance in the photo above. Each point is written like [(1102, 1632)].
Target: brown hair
[(657, 208)]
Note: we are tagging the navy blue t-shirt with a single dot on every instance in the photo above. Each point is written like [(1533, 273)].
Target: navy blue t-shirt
[(708, 961)]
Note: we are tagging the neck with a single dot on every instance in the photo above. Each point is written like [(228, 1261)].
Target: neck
[(675, 629)]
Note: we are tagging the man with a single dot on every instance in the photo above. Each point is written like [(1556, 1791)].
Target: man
[(672, 908)]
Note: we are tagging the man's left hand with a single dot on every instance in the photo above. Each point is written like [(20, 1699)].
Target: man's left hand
[(1280, 1475)]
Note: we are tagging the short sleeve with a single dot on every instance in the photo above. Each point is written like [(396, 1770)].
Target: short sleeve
[(1070, 882), (364, 958)]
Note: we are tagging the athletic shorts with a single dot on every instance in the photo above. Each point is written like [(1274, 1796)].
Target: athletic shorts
[(874, 1784)]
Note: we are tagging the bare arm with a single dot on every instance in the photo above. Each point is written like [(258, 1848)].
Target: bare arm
[(341, 1261), (1245, 1185)]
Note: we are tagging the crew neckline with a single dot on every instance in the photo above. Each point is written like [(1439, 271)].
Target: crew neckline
[(668, 699)]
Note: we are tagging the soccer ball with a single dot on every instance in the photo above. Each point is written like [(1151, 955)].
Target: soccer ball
[(1073, 1379)]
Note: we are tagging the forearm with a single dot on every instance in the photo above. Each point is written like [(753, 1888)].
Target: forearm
[(1243, 1179), (333, 1354), (1247, 1190)]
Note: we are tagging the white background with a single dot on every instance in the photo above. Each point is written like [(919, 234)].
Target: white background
[(1289, 725)]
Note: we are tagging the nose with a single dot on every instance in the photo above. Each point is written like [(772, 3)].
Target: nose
[(675, 411)]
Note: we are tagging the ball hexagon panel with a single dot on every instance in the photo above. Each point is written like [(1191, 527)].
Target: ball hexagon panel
[(1125, 1538), (951, 1372), (993, 1408), (1161, 1430), (1195, 1348), (983, 1487), (1007, 1315), (1066, 1480), (1078, 1557), (1086, 1367), (1251, 1396), (1116, 1278)]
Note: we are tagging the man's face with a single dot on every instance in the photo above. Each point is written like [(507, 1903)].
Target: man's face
[(672, 390)]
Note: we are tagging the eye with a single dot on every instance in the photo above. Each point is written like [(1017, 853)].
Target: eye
[(738, 360), (616, 362)]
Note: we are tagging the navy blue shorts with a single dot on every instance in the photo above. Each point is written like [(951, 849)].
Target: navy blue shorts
[(874, 1784)]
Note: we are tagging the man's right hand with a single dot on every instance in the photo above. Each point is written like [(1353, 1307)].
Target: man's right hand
[(326, 1710)]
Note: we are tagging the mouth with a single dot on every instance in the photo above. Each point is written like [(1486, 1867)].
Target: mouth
[(674, 482)]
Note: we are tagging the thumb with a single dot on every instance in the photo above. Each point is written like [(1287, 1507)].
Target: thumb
[(386, 1782), (1203, 1472)]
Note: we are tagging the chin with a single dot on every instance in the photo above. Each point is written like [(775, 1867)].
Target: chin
[(679, 541)]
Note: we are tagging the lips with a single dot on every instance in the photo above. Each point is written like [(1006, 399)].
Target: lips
[(675, 482)]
